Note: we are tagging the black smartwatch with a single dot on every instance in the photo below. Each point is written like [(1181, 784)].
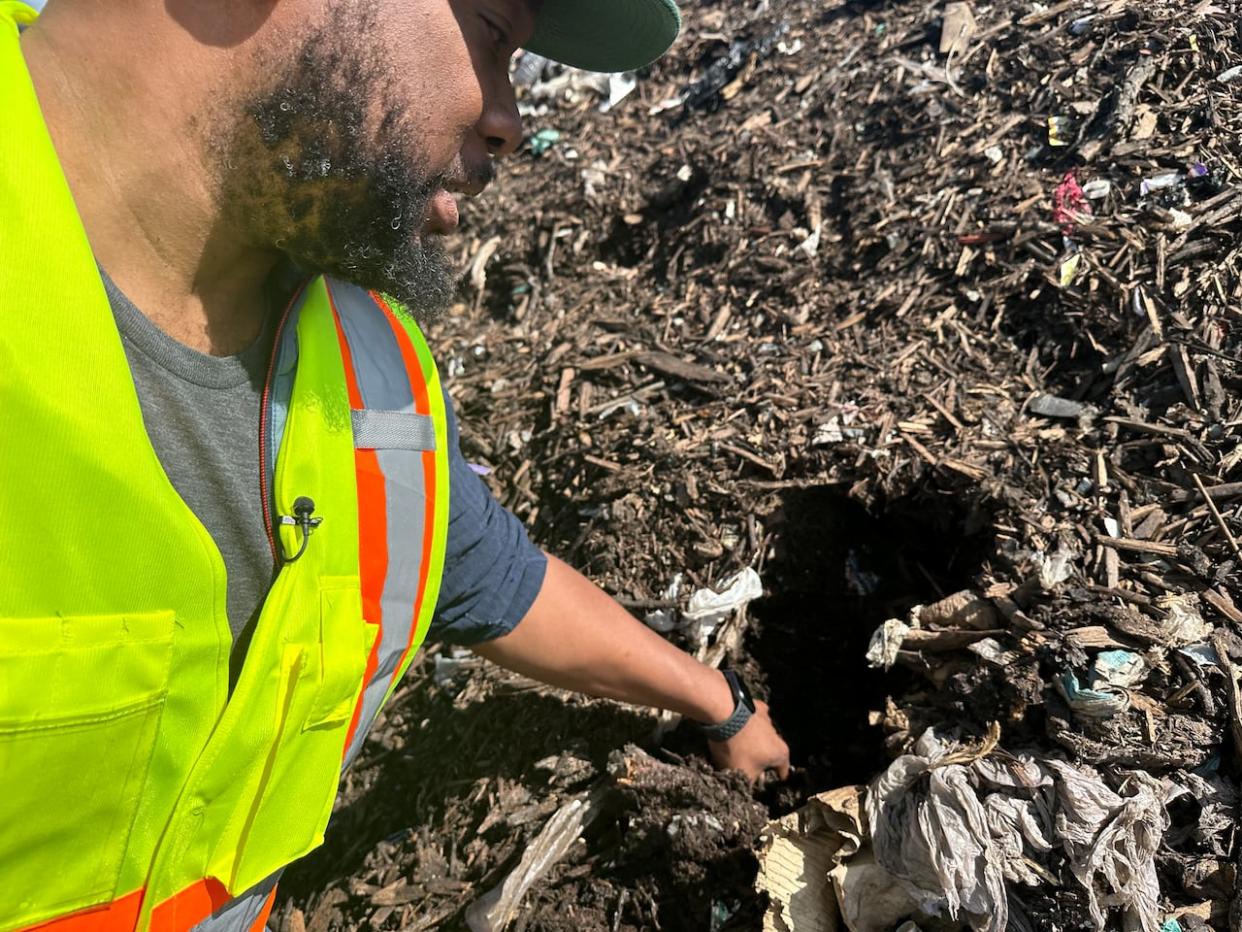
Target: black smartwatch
[(743, 709)]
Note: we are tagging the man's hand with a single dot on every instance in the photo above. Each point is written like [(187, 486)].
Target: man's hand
[(576, 637), (754, 749)]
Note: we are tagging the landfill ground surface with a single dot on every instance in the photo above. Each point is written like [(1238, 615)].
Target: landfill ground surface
[(884, 323)]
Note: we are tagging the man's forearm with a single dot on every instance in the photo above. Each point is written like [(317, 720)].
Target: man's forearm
[(577, 637)]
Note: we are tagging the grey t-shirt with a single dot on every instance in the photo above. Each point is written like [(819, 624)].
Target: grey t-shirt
[(202, 415)]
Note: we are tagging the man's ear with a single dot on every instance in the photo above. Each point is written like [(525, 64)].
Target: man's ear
[(221, 23)]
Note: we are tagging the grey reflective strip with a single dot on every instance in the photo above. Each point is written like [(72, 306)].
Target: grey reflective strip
[(384, 384), (281, 388), (393, 430), (240, 913)]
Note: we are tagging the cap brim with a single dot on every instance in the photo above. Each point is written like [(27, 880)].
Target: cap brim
[(605, 35)]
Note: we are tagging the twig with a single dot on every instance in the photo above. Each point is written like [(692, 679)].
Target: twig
[(1137, 546), (1231, 692), (1220, 521)]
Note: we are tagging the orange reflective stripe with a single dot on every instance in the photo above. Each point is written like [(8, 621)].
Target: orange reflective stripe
[(118, 916), (261, 922), (372, 531), (192, 905)]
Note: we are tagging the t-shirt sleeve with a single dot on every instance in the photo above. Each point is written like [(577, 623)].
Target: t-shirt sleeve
[(492, 570)]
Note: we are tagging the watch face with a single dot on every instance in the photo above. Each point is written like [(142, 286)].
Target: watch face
[(741, 691)]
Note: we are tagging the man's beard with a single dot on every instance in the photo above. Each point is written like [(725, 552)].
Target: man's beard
[(313, 171)]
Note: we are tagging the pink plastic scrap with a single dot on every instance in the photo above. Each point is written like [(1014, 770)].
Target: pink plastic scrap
[(1069, 204)]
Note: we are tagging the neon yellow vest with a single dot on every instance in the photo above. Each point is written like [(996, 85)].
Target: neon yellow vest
[(135, 792)]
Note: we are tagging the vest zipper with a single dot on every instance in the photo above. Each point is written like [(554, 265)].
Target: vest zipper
[(265, 425)]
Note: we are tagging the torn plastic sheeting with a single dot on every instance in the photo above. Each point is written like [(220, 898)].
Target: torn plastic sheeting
[(955, 622), (1184, 623), (1112, 841), (1160, 182), (1056, 568), (886, 642), (1218, 804), (1095, 701), (664, 620), (1120, 668), (955, 828), (493, 911), (1203, 655), (869, 898), (708, 607)]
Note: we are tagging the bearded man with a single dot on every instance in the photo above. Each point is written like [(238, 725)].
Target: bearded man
[(232, 499)]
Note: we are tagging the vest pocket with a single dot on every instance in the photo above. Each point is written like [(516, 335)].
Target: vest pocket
[(80, 705), (314, 703)]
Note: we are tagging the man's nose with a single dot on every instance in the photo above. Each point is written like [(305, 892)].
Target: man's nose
[(501, 124)]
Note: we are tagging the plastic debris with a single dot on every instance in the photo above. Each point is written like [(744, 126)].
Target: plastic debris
[(451, 663), (1120, 668), (1054, 406), (1097, 189), (886, 642), (708, 607), (1069, 270), (528, 69), (1070, 205), (620, 86), (1202, 654), (955, 824), (1184, 623), (861, 580), (724, 76), (1098, 700), (956, 621), (544, 140), (1060, 131), (1054, 568), (664, 620), (1161, 182), (837, 428), (816, 867)]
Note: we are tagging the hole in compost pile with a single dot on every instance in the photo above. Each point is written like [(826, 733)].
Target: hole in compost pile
[(838, 572)]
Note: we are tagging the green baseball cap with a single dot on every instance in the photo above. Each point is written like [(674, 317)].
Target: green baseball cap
[(605, 35)]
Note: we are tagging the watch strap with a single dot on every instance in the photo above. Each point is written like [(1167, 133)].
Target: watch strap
[(723, 731)]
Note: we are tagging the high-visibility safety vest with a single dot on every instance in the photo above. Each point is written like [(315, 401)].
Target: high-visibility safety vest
[(136, 791)]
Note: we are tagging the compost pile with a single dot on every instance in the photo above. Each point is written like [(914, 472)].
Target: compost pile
[(928, 314)]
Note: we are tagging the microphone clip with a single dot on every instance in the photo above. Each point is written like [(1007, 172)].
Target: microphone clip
[(303, 510)]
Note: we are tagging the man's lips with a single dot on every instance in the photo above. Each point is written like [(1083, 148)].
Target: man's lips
[(441, 214)]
